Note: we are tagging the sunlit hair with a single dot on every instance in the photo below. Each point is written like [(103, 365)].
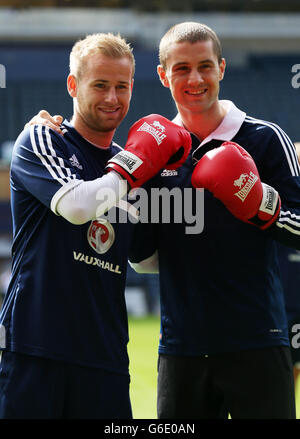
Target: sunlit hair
[(191, 32), (110, 45)]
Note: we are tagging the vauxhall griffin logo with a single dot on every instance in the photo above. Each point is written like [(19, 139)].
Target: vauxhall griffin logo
[(101, 235)]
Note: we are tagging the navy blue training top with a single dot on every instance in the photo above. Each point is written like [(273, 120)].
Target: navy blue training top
[(66, 298), (220, 288)]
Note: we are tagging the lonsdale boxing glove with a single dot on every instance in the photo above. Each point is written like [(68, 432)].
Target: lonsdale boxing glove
[(153, 143), (230, 173)]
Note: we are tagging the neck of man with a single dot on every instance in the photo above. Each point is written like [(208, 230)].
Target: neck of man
[(202, 124), (100, 139)]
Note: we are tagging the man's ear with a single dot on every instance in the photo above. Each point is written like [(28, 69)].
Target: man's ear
[(72, 87), (222, 67), (162, 76)]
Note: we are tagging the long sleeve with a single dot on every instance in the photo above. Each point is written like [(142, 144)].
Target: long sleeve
[(282, 171)]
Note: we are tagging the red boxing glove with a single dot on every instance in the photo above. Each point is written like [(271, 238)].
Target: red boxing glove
[(230, 173), (153, 143)]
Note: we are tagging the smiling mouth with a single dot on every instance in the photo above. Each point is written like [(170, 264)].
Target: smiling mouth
[(109, 110), (196, 92)]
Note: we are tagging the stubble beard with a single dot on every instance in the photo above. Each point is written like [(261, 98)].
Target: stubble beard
[(96, 124)]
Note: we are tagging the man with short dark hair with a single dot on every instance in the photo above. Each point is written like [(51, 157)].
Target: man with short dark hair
[(224, 346)]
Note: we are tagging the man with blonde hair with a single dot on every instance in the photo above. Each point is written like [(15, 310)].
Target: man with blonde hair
[(110, 45), (63, 323)]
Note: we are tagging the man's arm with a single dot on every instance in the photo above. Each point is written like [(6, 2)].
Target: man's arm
[(90, 200), (148, 265), (282, 165), (147, 150), (273, 203), (143, 252)]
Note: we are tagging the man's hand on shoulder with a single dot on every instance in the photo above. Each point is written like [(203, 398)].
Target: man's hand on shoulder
[(44, 118)]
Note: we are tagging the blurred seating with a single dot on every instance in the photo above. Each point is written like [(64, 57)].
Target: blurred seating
[(262, 87)]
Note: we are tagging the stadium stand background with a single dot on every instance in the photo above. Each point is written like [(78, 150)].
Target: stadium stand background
[(261, 43)]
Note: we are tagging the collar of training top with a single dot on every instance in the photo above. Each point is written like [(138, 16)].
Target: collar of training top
[(227, 129)]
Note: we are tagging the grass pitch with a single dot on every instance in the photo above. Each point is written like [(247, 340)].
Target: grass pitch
[(142, 348), (143, 355)]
